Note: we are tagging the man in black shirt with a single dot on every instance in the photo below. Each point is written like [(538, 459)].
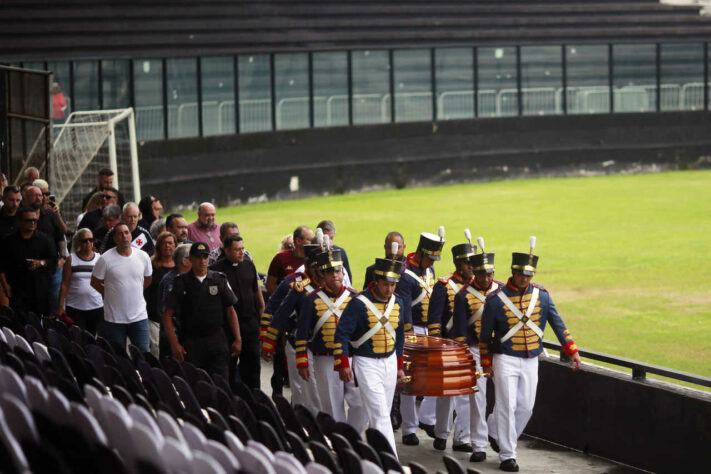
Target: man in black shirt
[(105, 180), (206, 304), (92, 219), (49, 224), (8, 214), (28, 260), (242, 277)]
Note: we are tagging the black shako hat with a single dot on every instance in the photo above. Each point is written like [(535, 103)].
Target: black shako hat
[(525, 262), (199, 248), (388, 269), (310, 252), (483, 262), (431, 244), (330, 258), (463, 251)]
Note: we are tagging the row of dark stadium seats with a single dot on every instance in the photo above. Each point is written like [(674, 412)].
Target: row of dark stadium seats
[(72, 402)]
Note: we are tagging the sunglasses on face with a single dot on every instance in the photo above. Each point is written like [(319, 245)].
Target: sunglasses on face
[(32, 221), (45, 194)]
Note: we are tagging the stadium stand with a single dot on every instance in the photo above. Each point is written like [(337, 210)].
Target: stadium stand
[(45, 29)]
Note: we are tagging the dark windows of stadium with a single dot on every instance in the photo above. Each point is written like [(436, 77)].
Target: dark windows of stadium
[(541, 80), (255, 98), (497, 79), (682, 76), (412, 85), (115, 83), (330, 88), (217, 80), (291, 75), (86, 85), (188, 97), (635, 77), (371, 87), (148, 98), (182, 97), (454, 83), (587, 79)]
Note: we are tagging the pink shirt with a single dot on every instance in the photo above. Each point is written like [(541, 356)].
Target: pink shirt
[(210, 236)]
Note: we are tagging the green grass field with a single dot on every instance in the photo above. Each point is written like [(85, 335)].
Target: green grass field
[(626, 258)]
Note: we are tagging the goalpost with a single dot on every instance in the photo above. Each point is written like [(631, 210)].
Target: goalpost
[(85, 143)]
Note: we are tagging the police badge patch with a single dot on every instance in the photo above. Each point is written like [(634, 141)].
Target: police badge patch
[(213, 290)]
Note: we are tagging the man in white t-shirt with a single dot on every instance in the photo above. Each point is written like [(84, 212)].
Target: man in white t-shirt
[(121, 275)]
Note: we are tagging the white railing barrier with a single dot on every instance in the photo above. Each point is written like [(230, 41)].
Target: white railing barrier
[(292, 112)]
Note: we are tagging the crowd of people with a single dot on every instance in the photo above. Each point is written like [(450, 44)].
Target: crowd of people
[(192, 292)]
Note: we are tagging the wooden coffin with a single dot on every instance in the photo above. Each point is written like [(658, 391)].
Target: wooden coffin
[(437, 367)]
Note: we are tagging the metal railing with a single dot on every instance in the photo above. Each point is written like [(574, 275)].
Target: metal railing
[(639, 369), (374, 108)]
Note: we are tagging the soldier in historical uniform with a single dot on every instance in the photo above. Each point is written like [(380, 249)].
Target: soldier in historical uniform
[(289, 298), (316, 328), (468, 308), (371, 330), (515, 317), (206, 301), (415, 288), (440, 313)]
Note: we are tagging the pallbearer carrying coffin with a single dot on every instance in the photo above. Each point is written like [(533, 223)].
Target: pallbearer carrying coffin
[(468, 309), (440, 312), (415, 289), (315, 331), (371, 330)]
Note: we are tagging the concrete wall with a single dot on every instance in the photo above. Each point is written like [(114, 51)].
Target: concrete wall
[(237, 168), (645, 424)]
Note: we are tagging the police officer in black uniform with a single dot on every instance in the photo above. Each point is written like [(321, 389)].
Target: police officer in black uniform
[(206, 302)]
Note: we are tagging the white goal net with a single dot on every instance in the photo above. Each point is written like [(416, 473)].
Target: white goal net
[(85, 143)]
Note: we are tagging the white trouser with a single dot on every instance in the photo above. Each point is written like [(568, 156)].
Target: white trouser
[(408, 409), (376, 381), (443, 423), (302, 392), (333, 393), (477, 408), (515, 381)]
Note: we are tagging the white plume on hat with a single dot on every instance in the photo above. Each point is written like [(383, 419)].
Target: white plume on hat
[(468, 235), (480, 241), (393, 249), (532, 242), (440, 232)]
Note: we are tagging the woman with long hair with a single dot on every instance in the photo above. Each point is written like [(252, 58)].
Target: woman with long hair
[(162, 261)]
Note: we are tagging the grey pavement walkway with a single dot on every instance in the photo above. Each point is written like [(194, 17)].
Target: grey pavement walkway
[(535, 455)]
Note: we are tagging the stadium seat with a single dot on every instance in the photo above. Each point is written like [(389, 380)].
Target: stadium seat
[(452, 465)]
